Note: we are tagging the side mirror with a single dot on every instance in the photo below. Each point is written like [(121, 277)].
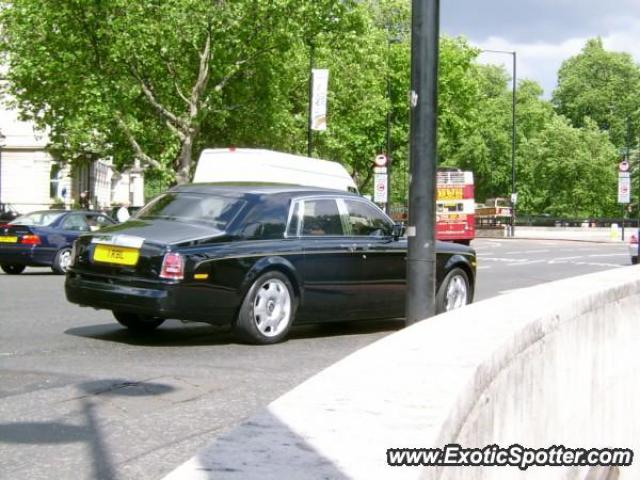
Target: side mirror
[(398, 230)]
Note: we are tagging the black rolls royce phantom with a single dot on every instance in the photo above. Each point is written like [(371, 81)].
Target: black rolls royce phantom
[(256, 257)]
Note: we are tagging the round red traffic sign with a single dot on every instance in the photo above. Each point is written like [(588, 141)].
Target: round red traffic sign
[(624, 166), (380, 160)]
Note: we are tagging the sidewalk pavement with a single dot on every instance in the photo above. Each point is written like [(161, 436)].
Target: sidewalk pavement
[(579, 234)]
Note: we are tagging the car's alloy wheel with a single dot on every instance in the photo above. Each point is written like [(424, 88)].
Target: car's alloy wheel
[(267, 311), (138, 323), (12, 268), (61, 261), (454, 292)]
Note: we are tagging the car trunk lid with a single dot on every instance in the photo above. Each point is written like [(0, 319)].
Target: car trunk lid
[(135, 249), (11, 235)]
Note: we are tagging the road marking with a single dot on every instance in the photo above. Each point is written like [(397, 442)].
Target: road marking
[(504, 260), (527, 262), (504, 292), (565, 259), (523, 252)]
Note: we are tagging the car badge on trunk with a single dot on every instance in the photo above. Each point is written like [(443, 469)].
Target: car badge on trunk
[(129, 241)]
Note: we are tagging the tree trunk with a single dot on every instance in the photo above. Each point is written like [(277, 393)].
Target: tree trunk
[(183, 171)]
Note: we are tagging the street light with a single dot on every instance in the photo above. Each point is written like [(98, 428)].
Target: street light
[(514, 196), (394, 35)]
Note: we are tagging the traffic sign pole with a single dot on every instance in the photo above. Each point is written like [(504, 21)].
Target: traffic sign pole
[(624, 188)]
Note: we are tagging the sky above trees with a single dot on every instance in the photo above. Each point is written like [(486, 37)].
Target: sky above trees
[(543, 32)]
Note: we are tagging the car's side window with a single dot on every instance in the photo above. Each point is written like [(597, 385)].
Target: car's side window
[(76, 223), (321, 217), (366, 220)]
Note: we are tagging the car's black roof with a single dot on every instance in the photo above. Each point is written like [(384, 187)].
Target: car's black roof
[(239, 188)]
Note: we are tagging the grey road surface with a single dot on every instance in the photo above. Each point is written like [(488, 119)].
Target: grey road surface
[(81, 398)]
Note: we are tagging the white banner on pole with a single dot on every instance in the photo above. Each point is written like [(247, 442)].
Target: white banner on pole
[(624, 187), (319, 99)]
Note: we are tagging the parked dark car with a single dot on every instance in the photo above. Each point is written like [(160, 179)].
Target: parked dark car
[(256, 257), (44, 238)]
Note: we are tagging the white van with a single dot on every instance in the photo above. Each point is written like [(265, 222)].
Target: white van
[(219, 165)]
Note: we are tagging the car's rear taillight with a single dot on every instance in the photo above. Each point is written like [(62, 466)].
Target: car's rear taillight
[(634, 239), (30, 240), (172, 266)]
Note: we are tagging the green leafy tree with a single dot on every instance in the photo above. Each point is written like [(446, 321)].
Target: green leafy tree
[(603, 86), (572, 171), (140, 79)]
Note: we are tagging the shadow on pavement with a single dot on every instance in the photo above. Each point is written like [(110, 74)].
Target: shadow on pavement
[(89, 433), (174, 334)]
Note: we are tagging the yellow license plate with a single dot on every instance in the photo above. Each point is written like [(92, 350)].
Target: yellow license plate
[(8, 239), (116, 255)]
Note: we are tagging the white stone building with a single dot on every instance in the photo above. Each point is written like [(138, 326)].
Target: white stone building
[(30, 179), (25, 166)]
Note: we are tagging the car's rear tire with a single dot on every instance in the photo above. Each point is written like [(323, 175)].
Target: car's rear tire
[(454, 292), (138, 323), (634, 260), (12, 268), (61, 261), (267, 311)]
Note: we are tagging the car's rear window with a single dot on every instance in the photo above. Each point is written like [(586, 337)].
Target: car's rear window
[(216, 210), (39, 219)]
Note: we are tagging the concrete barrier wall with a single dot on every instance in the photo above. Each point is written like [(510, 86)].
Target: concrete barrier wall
[(557, 364)]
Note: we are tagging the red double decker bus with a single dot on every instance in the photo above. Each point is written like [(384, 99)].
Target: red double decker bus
[(455, 206)]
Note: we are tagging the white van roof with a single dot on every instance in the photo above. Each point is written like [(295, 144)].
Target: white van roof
[(266, 166)]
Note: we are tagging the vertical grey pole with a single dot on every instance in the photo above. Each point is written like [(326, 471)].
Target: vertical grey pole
[(513, 150), (421, 256), (309, 132), (388, 139)]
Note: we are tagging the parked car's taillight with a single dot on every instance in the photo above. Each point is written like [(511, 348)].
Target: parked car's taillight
[(634, 239), (31, 240), (172, 266)]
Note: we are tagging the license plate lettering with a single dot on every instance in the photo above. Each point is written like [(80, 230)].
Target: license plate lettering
[(116, 255)]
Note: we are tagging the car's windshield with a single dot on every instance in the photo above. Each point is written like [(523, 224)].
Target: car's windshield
[(193, 207), (40, 219)]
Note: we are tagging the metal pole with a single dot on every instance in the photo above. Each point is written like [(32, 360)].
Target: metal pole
[(513, 151), (421, 256), (638, 224), (309, 132), (388, 139), (623, 205)]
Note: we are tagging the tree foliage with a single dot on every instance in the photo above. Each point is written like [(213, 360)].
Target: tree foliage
[(603, 86), (160, 80), (140, 79)]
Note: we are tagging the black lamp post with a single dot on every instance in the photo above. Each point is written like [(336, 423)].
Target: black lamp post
[(514, 196)]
